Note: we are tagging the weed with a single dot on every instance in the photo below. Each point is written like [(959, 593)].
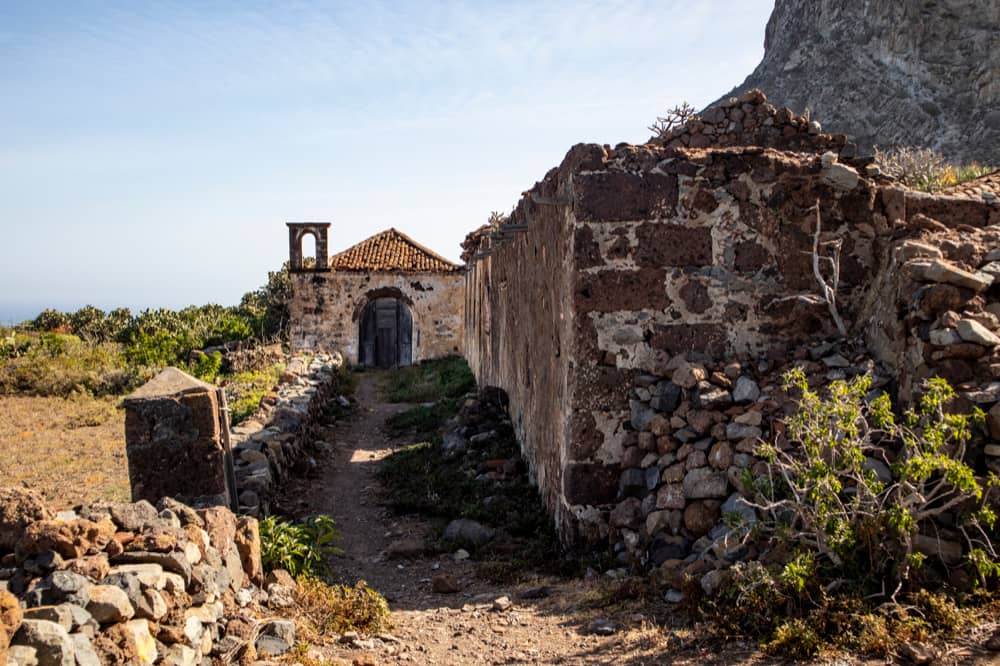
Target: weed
[(299, 548), (336, 609), (423, 479), (795, 639), (429, 381), (245, 390), (924, 169), (424, 421)]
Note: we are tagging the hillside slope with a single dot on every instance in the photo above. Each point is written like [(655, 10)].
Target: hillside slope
[(890, 72)]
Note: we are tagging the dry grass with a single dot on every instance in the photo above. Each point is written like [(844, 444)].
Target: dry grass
[(70, 449)]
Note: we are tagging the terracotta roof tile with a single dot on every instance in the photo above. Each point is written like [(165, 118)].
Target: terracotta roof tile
[(391, 250), (978, 187)]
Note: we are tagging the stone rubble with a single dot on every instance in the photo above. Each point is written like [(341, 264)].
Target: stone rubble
[(131, 584)]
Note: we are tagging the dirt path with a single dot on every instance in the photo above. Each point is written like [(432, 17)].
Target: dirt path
[(460, 628)]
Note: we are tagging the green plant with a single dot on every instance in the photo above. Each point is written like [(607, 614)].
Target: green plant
[(206, 366), (924, 169), (245, 390), (826, 498), (430, 381), (300, 548), (795, 639)]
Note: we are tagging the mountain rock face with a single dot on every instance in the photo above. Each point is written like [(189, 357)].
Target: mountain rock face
[(890, 72)]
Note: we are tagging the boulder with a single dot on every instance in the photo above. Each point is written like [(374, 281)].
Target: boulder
[(971, 330), (133, 517), (187, 515), (21, 655), (626, 514), (687, 375), (10, 620), (470, 532), (71, 539), (701, 516), (92, 566), (61, 615), (940, 270), (83, 651), (19, 507), (746, 390), (247, 541), (52, 644), (704, 483), (109, 604), (220, 523), (62, 587)]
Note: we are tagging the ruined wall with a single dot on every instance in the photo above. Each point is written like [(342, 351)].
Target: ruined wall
[(326, 308), (697, 261), (518, 317)]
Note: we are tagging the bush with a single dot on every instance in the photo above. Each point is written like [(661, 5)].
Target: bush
[(824, 497), (55, 364), (336, 609), (245, 390), (300, 548), (676, 117), (923, 169)]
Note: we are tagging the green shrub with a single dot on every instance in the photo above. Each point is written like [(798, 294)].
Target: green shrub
[(244, 390), (300, 548), (206, 366), (823, 496), (53, 364)]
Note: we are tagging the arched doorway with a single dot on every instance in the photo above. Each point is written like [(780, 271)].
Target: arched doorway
[(386, 336)]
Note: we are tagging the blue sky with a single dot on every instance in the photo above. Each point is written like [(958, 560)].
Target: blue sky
[(152, 151)]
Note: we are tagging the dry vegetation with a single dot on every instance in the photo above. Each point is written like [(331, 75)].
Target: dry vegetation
[(70, 449)]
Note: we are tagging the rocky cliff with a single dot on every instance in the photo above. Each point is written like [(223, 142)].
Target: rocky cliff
[(890, 72)]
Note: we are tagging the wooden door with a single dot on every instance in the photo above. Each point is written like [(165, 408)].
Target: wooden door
[(386, 334)]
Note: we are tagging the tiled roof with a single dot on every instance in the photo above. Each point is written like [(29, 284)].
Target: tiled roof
[(977, 188), (391, 250)]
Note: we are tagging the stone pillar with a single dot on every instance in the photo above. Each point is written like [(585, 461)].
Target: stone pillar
[(176, 440)]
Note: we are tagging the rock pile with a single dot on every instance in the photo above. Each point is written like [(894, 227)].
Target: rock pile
[(750, 120), (949, 287), (127, 584), (282, 436)]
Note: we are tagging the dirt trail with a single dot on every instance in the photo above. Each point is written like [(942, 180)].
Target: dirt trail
[(462, 628)]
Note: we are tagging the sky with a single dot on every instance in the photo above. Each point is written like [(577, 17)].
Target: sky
[(151, 152)]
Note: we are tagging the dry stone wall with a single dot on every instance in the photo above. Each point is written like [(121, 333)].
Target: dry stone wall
[(638, 298), (282, 437), (131, 584), (327, 307)]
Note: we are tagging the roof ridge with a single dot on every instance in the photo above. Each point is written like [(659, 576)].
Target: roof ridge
[(391, 249), (423, 248)]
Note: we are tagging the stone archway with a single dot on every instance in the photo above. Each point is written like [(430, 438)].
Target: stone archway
[(385, 336)]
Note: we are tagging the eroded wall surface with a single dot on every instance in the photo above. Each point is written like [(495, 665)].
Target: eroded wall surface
[(625, 265), (326, 308)]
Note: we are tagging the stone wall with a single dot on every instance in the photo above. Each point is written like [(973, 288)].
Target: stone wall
[(132, 584), (626, 265), (326, 309), (286, 432), (177, 447)]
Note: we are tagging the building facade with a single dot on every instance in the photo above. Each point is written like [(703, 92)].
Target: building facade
[(386, 302)]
